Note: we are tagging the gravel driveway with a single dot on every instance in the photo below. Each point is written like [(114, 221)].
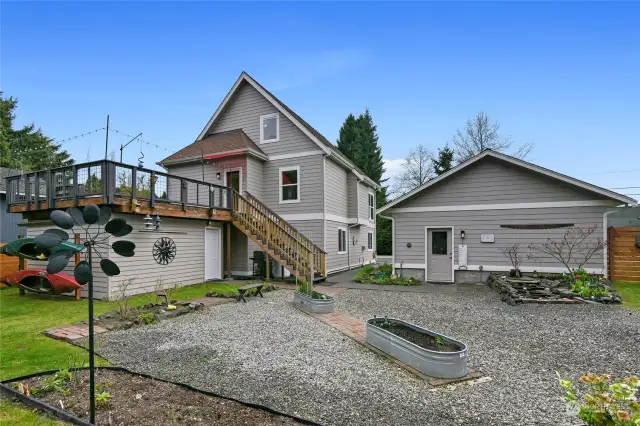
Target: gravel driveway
[(268, 352)]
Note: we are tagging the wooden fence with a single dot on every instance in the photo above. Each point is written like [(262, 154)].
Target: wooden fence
[(624, 255), (8, 264)]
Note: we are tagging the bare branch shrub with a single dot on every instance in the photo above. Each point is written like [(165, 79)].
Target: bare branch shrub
[(514, 255), (165, 288), (573, 250), (122, 296)]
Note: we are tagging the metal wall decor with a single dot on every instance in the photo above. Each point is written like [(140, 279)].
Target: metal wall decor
[(164, 250)]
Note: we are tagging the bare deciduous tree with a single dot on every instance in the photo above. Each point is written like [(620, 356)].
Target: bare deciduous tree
[(514, 255), (573, 250), (122, 296), (481, 133), (417, 169)]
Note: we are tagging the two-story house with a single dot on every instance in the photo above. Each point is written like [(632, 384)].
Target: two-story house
[(261, 148)]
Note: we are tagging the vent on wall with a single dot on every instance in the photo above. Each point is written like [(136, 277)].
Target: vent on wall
[(539, 226)]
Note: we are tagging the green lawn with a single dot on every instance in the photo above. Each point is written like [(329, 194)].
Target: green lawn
[(12, 414), (630, 293), (26, 350)]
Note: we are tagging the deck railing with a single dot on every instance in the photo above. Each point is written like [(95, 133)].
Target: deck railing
[(110, 179)]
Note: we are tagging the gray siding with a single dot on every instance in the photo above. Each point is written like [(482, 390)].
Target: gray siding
[(358, 253), (337, 189), (9, 229), (364, 192), (194, 170), (335, 261), (311, 185), (100, 280), (243, 111), (255, 177), (187, 267), (491, 181), (410, 228), (353, 202)]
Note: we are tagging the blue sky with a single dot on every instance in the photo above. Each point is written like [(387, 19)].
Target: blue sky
[(564, 76)]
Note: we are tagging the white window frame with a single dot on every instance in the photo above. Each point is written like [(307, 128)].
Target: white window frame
[(267, 116), (369, 233), (371, 207), (288, 169), (345, 240)]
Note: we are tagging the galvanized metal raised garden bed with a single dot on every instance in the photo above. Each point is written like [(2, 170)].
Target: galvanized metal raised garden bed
[(450, 364), (316, 306)]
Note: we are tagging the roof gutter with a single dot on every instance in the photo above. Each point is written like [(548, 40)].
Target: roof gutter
[(224, 154)]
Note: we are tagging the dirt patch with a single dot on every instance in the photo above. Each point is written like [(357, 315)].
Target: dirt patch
[(417, 338), (136, 400)]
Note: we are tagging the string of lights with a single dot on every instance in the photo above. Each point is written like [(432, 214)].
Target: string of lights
[(143, 141), (63, 141)]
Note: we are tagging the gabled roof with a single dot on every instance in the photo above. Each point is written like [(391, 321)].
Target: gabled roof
[(233, 142), (520, 163), (322, 142)]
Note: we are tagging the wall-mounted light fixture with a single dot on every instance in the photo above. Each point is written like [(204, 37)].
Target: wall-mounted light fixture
[(218, 175), (462, 234)]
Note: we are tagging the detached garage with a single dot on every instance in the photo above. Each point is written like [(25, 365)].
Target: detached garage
[(452, 228)]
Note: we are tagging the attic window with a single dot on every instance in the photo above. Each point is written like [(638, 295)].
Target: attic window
[(269, 128), (539, 226)]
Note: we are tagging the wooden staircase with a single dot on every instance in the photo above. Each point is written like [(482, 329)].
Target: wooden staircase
[(278, 239)]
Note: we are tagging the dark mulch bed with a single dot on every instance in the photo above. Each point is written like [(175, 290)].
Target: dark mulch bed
[(136, 400), (421, 339)]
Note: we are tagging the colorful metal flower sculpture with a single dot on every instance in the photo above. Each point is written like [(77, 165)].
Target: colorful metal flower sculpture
[(51, 243)]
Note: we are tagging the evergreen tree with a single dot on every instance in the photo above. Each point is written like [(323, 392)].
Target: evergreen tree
[(444, 161), (358, 141), (27, 148)]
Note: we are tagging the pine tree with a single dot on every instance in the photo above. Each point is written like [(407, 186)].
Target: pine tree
[(358, 141), (444, 161), (27, 148)]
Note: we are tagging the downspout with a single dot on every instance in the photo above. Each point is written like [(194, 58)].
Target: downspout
[(605, 252)]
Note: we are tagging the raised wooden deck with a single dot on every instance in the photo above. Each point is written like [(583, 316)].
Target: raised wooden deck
[(128, 189)]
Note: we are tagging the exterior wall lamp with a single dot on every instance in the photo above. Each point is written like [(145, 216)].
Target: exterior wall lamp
[(462, 234)]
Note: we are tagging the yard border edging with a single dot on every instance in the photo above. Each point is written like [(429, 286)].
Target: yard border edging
[(7, 390)]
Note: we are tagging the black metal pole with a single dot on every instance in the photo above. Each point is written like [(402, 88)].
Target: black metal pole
[(92, 388), (122, 147), (106, 142)]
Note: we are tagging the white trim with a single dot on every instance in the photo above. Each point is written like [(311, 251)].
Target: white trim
[(348, 268), (543, 269), (295, 155), (346, 241), (371, 210), (324, 201), (426, 250), (232, 169), (605, 252), (517, 162), (372, 244), (507, 206), (265, 117), (303, 216), (299, 187), (337, 218)]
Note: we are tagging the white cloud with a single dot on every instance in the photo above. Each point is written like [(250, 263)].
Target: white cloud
[(393, 167)]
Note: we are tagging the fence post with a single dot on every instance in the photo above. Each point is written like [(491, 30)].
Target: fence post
[(27, 192), (111, 182), (104, 181), (610, 250), (152, 196), (183, 193), (49, 188), (36, 192), (74, 171)]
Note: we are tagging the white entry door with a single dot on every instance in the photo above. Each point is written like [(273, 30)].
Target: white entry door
[(439, 254), (212, 254)]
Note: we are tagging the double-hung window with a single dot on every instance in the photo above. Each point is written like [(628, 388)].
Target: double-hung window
[(289, 184), (369, 241), (372, 206), (342, 240)]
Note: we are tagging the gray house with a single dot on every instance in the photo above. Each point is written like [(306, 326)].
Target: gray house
[(9, 229), (453, 227), (261, 148)]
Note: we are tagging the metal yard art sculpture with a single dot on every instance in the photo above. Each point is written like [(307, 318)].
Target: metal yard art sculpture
[(51, 241), (164, 251)]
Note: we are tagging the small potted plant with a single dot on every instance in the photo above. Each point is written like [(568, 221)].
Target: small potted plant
[(312, 301)]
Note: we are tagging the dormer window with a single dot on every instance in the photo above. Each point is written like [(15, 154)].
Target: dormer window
[(269, 128)]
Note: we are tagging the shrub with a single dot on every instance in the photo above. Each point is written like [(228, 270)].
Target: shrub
[(147, 318), (603, 402), (386, 268)]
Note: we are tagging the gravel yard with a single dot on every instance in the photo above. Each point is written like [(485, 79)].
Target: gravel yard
[(268, 352)]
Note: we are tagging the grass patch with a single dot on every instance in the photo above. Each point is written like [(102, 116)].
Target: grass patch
[(15, 414), (26, 350), (630, 293)]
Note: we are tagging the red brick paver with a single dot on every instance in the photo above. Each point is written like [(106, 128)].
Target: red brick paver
[(72, 332), (348, 325)]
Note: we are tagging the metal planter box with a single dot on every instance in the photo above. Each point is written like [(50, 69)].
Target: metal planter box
[(446, 365), (316, 306)]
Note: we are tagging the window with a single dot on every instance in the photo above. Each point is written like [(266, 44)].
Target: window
[(439, 242), (269, 128), (370, 241), (372, 206), (289, 184), (342, 240)]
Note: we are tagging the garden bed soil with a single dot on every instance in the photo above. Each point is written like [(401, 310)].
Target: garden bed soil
[(136, 400), (423, 340)]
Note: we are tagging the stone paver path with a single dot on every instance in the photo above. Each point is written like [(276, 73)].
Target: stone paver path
[(72, 332)]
